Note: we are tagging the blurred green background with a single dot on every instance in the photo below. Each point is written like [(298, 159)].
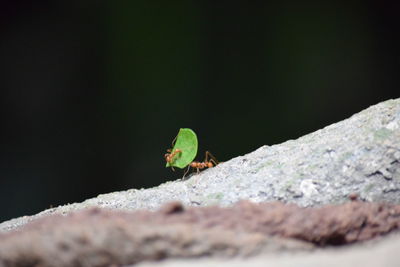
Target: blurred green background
[(93, 92)]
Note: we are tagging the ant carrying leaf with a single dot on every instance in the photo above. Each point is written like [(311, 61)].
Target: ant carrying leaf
[(184, 149)]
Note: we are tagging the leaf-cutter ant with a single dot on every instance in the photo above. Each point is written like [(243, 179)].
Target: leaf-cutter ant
[(209, 162), (169, 157)]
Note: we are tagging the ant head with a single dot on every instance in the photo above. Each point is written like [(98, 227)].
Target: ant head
[(194, 164)]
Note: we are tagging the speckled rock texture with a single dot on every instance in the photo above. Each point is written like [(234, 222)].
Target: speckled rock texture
[(99, 237), (313, 177), (358, 155)]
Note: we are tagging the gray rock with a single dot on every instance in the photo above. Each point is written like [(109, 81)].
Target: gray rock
[(358, 155)]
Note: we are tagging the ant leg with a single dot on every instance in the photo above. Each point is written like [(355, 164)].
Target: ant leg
[(212, 158), (173, 141), (186, 172), (213, 162)]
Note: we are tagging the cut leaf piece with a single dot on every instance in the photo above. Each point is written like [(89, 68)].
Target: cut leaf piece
[(186, 141)]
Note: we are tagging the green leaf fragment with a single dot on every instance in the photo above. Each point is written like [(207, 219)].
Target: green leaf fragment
[(186, 141)]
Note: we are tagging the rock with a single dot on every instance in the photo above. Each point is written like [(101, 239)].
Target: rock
[(358, 155), (379, 253), (101, 237)]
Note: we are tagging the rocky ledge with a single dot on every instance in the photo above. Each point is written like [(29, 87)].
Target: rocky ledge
[(312, 177)]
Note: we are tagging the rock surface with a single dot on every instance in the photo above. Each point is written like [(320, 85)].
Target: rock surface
[(379, 253), (99, 237), (358, 155)]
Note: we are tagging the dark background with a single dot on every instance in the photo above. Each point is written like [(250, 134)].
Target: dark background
[(93, 92)]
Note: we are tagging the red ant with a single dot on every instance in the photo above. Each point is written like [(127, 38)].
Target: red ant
[(207, 163), (169, 157)]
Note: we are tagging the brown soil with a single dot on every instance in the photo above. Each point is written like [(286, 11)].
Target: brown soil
[(100, 237)]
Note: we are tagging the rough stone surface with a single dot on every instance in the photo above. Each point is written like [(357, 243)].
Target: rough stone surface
[(99, 237), (358, 155)]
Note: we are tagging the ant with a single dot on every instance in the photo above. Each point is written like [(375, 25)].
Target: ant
[(207, 163), (169, 157)]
